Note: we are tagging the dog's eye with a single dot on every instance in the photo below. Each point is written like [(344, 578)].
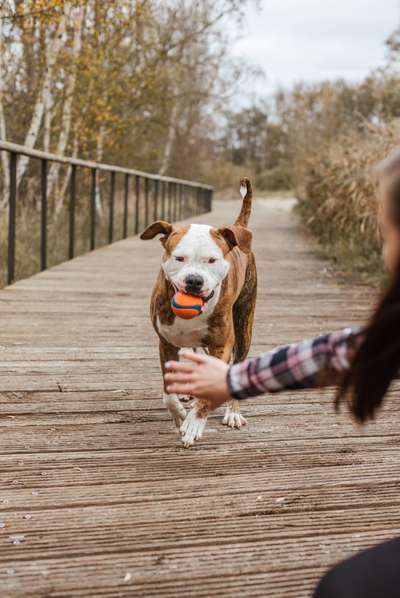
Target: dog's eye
[(212, 260), (179, 258)]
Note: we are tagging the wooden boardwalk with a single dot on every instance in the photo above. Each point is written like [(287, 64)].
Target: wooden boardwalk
[(97, 496)]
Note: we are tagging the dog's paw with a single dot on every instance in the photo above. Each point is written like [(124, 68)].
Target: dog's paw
[(233, 418), (175, 408), (192, 428)]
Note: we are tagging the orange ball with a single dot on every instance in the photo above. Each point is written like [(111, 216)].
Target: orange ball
[(186, 306)]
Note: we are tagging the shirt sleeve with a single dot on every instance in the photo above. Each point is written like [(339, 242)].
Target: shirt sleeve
[(320, 361)]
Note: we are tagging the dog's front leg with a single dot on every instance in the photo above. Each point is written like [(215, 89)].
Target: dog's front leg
[(171, 401), (232, 416), (194, 425)]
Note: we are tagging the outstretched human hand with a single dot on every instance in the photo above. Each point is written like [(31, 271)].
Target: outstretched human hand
[(200, 376)]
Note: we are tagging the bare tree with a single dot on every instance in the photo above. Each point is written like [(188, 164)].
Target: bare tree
[(66, 117), (53, 47), (3, 126)]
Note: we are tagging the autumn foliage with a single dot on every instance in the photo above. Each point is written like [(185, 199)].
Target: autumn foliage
[(148, 84), (135, 83), (321, 141)]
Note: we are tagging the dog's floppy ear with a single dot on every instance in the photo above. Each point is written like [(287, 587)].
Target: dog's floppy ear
[(157, 228), (237, 236), (228, 233)]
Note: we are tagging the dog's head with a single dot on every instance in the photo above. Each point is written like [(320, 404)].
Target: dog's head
[(195, 257)]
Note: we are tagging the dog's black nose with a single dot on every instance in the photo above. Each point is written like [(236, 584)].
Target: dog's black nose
[(193, 283)]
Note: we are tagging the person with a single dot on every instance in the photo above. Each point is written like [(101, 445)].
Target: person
[(360, 361)]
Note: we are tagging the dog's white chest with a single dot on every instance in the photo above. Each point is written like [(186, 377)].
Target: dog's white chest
[(185, 333)]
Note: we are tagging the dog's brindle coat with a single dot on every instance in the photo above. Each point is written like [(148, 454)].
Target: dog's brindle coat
[(228, 327)]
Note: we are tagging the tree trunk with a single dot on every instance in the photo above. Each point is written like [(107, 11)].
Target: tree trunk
[(53, 49), (3, 126), (63, 188), (66, 118), (170, 138), (99, 157), (48, 118)]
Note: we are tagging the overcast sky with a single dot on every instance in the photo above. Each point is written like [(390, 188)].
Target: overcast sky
[(310, 40)]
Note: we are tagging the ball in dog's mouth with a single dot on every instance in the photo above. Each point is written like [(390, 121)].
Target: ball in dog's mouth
[(186, 306)]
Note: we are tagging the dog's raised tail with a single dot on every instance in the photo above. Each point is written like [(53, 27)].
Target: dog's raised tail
[(247, 194)]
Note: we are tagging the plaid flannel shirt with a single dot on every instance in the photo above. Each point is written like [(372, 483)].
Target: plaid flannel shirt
[(320, 361)]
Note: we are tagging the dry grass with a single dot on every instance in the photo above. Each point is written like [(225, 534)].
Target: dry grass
[(338, 203), (27, 251)]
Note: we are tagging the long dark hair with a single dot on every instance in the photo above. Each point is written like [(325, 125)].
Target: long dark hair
[(377, 360)]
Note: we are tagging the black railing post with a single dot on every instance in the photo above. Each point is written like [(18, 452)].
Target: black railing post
[(12, 213), (180, 210), (171, 201), (72, 204), (43, 215), (163, 200), (111, 208), (184, 201), (93, 210), (137, 203), (170, 214), (175, 202), (168, 199), (126, 197), (146, 202), (155, 198)]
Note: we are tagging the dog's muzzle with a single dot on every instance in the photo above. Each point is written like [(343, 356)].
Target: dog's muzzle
[(205, 299), (194, 284)]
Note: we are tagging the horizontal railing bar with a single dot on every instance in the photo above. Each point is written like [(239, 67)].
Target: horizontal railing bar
[(32, 153)]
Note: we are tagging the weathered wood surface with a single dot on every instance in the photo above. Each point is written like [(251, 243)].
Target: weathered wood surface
[(97, 496)]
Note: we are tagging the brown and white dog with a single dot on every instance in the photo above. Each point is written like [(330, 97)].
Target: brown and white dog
[(218, 265)]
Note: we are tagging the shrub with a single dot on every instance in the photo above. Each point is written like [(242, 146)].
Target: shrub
[(337, 197)]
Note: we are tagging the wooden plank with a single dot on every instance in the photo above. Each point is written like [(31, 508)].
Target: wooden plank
[(98, 498)]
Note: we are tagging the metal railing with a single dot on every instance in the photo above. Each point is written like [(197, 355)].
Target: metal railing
[(164, 198)]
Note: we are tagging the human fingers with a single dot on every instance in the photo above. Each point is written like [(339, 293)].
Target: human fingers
[(179, 376), (181, 389), (179, 366), (197, 358)]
